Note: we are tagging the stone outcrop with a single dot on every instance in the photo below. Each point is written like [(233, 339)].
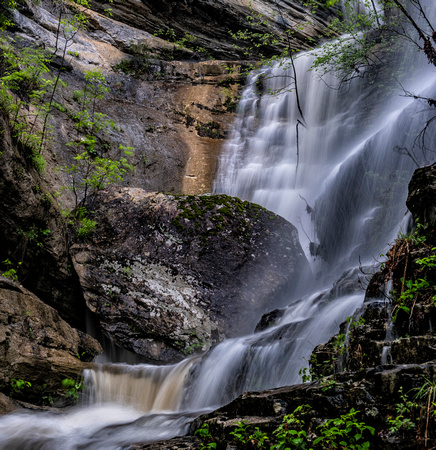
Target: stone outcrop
[(167, 275), (38, 347), (371, 392)]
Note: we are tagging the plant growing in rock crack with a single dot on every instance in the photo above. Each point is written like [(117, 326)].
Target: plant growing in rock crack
[(291, 433), (181, 43), (346, 432), (140, 62), (12, 271), (72, 388), (403, 421), (35, 235), (422, 287), (19, 386), (243, 435), (204, 434)]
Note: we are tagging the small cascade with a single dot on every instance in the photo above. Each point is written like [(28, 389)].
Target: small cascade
[(143, 387)]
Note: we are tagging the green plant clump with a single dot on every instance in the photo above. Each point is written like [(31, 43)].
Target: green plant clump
[(345, 432), (72, 388)]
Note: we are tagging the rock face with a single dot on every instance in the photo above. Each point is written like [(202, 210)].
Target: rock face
[(169, 275), (32, 232), (212, 20), (370, 392), (38, 347), (171, 107)]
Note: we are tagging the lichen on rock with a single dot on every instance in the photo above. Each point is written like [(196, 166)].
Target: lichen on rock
[(169, 275)]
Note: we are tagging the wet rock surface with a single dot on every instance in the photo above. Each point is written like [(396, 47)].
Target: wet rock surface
[(170, 275)]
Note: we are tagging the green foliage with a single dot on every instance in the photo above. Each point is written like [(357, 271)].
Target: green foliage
[(204, 434), (92, 171), (291, 433), (345, 432), (25, 82), (80, 222), (422, 287), (242, 435), (35, 234), (353, 51), (5, 13), (428, 261), (11, 272), (416, 236), (401, 422), (72, 388), (18, 386), (140, 62), (408, 296), (305, 374), (87, 226)]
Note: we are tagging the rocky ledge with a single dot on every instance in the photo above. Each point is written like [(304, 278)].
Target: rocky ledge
[(38, 349)]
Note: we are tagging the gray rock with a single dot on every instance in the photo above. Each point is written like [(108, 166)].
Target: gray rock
[(170, 275)]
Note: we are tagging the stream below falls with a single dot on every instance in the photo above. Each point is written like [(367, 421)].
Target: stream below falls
[(344, 187)]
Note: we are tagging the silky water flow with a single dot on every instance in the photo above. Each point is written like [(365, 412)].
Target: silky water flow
[(343, 186)]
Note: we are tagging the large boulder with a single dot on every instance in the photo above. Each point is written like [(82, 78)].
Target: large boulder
[(37, 348), (168, 275)]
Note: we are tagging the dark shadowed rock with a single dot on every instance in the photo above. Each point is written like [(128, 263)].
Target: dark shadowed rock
[(32, 232), (422, 197), (169, 275), (37, 346)]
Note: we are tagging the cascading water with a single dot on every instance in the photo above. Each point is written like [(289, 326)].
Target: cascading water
[(343, 186)]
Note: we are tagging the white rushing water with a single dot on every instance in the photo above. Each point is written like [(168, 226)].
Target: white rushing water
[(344, 189)]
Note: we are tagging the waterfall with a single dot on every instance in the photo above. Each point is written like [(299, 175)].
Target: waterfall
[(342, 181), (344, 184)]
